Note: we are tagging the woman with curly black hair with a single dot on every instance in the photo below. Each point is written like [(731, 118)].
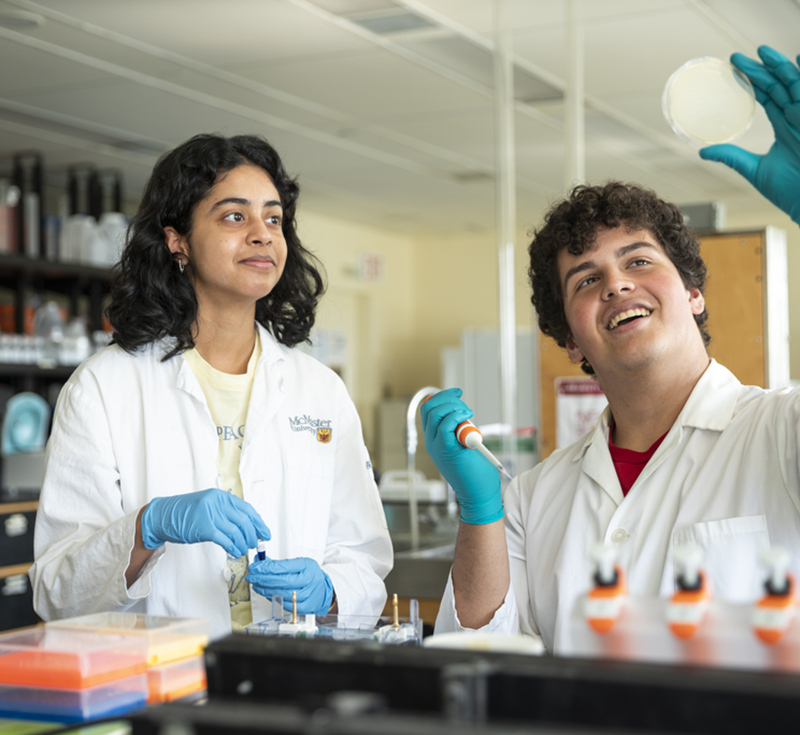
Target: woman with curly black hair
[(201, 431)]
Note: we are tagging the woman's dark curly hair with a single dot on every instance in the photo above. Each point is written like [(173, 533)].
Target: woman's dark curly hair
[(573, 224), (151, 299)]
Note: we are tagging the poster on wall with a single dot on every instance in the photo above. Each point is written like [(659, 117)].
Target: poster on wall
[(579, 403)]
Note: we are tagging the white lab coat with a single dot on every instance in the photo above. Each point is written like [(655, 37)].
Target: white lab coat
[(726, 477), (128, 428)]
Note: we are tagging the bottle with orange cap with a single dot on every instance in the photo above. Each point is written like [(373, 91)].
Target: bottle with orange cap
[(605, 601), (774, 613), (688, 606)]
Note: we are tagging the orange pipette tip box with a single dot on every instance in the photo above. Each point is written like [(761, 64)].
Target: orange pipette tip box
[(175, 680), (63, 659), (168, 638)]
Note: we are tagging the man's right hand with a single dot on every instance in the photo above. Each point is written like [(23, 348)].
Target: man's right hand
[(474, 478), (207, 515)]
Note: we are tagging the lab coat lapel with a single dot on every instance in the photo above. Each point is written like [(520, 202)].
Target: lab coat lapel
[(710, 406), (186, 381), (270, 387), (596, 458)]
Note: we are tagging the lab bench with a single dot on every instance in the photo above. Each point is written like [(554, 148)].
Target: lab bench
[(358, 687)]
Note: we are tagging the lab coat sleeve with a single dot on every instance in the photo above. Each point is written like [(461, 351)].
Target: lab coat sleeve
[(503, 621), (506, 618), (83, 538), (514, 616), (358, 553), (515, 501)]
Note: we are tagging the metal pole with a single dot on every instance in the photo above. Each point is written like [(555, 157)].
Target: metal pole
[(575, 143), (506, 210)]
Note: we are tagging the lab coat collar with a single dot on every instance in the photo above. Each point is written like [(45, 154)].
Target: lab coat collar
[(712, 403), (710, 406), (270, 385), (272, 353), (185, 379), (598, 434), (596, 458)]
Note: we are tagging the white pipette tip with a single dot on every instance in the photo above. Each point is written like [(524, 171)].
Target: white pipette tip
[(473, 441), (496, 462)]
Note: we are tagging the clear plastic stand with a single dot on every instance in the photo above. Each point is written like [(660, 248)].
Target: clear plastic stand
[(384, 629)]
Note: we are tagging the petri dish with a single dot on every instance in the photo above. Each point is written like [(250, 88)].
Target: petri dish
[(708, 101)]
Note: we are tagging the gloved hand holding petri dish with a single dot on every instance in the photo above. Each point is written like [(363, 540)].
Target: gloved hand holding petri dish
[(708, 101)]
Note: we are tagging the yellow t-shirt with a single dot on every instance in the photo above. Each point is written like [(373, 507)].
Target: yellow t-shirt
[(228, 397)]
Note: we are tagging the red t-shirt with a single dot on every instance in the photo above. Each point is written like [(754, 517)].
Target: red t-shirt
[(628, 463)]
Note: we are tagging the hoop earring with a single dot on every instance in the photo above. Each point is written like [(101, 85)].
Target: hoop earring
[(181, 266)]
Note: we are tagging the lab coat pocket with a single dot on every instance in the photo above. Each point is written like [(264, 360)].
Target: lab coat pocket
[(731, 548), (310, 492)]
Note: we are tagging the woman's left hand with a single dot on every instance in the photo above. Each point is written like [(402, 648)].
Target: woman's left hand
[(301, 575)]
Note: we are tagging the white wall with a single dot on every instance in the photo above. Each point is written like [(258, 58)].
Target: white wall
[(434, 287), (377, 316)]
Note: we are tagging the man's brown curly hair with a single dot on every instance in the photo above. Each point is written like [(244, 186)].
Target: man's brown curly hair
[(573, 224)]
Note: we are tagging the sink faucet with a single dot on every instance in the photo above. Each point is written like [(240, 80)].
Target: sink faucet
[(411, 434)]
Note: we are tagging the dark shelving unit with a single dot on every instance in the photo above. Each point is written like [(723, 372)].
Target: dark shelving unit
[(20, 273)]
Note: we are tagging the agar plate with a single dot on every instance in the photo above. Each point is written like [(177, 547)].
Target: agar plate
[(708, 101)]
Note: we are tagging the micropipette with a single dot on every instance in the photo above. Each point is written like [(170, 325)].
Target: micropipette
[(470, 436)]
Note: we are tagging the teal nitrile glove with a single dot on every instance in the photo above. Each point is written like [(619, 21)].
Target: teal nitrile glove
[(207, 515), (474, 478), (777, 174), (283, 576)]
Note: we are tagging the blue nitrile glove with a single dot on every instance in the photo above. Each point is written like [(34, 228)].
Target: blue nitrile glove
[(207, 515), (777, 174), (474, 478), (283, 576)]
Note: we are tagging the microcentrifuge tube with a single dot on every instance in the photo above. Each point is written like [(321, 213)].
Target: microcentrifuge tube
[(261, 550)]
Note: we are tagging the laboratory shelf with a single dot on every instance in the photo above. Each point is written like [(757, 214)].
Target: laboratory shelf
[(51, 270), (15, 369), (74, 280)]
